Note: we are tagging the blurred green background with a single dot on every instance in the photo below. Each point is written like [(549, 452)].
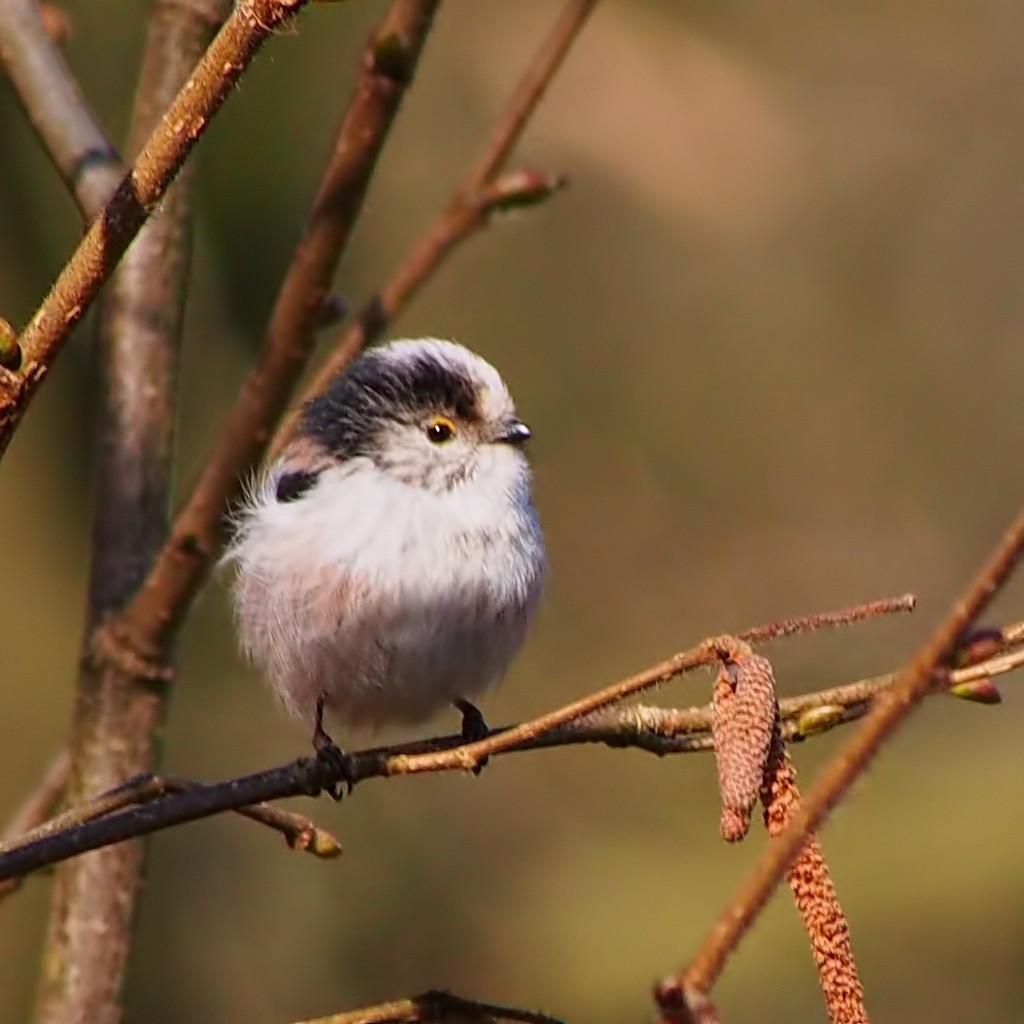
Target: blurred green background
[(770, 346)]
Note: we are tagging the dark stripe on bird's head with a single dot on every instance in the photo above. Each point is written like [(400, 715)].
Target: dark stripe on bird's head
[(378, 389)]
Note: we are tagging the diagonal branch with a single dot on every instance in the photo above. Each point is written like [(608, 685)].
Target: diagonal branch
[(931, 665), (84, 157), (138, 194)]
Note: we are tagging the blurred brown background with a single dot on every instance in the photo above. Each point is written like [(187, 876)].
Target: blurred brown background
[(770, 346)]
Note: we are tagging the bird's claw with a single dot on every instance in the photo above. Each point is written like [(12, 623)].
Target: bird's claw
[(336, 765), (333, 761), (474, 727)]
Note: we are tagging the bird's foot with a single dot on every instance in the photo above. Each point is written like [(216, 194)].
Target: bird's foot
[(335, 763), (474, 726)]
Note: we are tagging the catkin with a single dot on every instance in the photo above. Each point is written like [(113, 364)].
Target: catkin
[(743, 713)]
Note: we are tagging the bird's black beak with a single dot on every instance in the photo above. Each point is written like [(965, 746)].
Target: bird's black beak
[(515, 433)]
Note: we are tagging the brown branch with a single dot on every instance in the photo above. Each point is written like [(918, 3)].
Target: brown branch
[(448, 753), (137, 196), (72, 137), (299, 832), (484, 190), (470, 755), (664, 731), (821, 620), (887, 714), (387, 68), (679, 1005), (656, 730), (435, 1008), (118, 711)]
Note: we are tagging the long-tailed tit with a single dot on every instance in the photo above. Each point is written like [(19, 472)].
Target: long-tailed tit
[(390, 560)]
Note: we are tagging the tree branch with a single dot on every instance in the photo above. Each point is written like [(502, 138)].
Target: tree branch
[(299, 832), (435, 1008), (930, 668), (84, 157), (138, 194), (309, 777), (655, 730)]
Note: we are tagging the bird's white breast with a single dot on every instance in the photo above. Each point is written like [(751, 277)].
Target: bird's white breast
[(389, 599)]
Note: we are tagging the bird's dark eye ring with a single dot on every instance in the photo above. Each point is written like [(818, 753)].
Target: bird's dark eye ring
[(440, 429)]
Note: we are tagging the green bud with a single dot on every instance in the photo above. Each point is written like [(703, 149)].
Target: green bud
[(818, 720), (981, 691), (10, 350), (325, 845)]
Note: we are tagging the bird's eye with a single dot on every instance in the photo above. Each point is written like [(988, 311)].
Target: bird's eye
[(440, 429)]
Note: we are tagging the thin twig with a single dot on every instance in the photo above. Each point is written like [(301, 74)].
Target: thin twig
[(387, 69), (250, 24), (84, 157), (469, 756), (38, 806), (435, 1008), (299, 832), (484, 190), (885, 717), (842, 617), (663, 731), (307, 776)]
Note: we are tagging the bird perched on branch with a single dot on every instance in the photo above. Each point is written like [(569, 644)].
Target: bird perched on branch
[(389, 561)]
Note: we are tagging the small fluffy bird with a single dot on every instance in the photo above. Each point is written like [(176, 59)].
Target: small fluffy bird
[(389, 561)]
